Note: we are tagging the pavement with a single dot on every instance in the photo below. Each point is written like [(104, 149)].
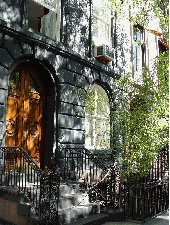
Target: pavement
[(162, 219)]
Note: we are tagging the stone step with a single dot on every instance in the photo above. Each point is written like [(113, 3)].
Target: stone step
[(71, 214), (70, 188), (73, 200), (67, 189), (101, 218)]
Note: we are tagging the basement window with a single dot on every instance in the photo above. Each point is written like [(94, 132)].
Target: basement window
[(45, 17)]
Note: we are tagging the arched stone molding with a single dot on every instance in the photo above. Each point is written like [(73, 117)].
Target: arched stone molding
[(49, 77)]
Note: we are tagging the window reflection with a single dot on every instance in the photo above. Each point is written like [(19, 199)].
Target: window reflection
[(97, 119), (34, 86), (14, 81)]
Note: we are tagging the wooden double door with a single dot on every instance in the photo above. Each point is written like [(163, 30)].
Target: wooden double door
[(25, 105)]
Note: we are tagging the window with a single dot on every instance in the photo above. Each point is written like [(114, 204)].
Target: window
[(162, 47), (97, 119), (44, 17), (101, 30), (139, 48)]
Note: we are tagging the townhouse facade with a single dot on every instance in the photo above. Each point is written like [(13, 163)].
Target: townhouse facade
[(59, 60), (54, 52)]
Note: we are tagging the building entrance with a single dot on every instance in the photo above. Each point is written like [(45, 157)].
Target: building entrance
[(25, 105)]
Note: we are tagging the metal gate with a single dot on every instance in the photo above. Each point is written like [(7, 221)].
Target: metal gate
[(149, 196)]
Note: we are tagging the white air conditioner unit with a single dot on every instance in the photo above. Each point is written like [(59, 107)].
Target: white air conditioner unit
[(104, 53)]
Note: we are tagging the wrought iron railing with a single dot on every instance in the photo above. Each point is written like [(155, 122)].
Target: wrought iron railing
[(49, 193), (148, 196), (19, 170), (101, 182), (107, 191), (81, 163), (39, 188)]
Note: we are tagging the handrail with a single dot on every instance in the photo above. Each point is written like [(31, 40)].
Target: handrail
[(108, 174), (81, 164), (26, 156), (19, 170), (38, 186), (97, 161)]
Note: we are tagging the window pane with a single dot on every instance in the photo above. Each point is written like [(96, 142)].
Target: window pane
[(97, 118), (89, 132), (102, 103), (90, 99), (14, 81), (101, 23), (34, 86)]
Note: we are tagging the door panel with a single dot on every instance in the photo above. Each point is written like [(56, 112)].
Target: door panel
[(24, 111)]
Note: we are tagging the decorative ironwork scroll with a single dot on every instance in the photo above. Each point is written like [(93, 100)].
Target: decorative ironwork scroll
[(49, 193)]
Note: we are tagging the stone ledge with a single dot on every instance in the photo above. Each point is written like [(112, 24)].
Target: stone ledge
[(106, 216), (10, 193), (9, 190)]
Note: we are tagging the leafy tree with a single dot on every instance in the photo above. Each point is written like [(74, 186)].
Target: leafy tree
[(145, 114), (143, 109), (144, 12), (146, 103)]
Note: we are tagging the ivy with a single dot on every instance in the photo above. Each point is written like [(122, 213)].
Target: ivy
[(146, 116)]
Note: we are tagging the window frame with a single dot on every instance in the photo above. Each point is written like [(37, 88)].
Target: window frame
[(56, 34), (96, 117), (139, 48), (107, 21)]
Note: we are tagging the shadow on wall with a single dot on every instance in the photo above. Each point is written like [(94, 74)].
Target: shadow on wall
[(10, 12), (77, 26), (122, 50)]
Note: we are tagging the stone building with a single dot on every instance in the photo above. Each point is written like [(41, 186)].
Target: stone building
[(46, 55), (52, 53)]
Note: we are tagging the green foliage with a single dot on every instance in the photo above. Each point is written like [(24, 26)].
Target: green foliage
[(144, 11), (141, 115), (144, 117), (146, 110)]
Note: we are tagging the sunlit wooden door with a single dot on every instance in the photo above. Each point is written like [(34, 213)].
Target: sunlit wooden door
[(24, 111)]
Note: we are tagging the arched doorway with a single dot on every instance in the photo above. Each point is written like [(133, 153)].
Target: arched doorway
[(26, 110)]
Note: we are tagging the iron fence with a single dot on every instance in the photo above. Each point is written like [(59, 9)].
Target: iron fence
[(146, 197), (142, 199), (98, 175), (17, 169)]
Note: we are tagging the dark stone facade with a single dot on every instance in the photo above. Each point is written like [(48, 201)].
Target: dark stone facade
[(68, 64)]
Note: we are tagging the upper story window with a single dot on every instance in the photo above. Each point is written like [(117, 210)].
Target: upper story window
[(97, 119), (139, 48), (162, 47), (101, 30), (45, 17)]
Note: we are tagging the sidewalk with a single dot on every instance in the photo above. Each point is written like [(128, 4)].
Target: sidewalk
[(162, 219)]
